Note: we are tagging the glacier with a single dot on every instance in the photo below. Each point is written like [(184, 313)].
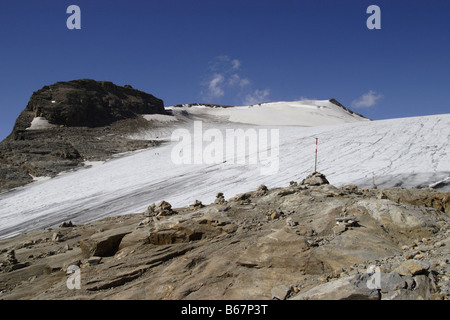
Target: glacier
[(406, 152)]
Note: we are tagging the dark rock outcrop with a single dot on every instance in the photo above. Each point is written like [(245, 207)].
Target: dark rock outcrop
[(87, 120), (334, 101), (88, 103)]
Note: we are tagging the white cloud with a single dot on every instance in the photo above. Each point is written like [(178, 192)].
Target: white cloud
[(236, 80), (367, 100), (235, 64), (216, 86), (303, 98), (225, 80), (255, 97)]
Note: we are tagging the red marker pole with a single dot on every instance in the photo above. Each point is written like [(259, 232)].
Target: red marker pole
[(315, 164)]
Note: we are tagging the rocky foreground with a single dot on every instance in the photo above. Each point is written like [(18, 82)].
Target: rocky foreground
[(309, 240)]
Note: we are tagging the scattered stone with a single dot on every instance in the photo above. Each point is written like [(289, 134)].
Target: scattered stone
[(410, 256), (27, 244), (290, 222), (350, 188), (412, 267), (57, 236), (243, 198), (345, 219), (312, 243), (274, 214), (339, 228), (439, 244), (66, 225), (92, 261), (381, 195), (392, 281), (76, 263), (145, 222), (281, 292), (424, 286)]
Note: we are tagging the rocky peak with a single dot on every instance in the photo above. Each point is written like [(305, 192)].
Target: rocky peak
[(89, 103), (334, 101), (67, 123)]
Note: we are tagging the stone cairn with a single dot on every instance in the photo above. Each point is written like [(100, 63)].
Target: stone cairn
[(220, 199), (162, 209), (315, 179), (11, 257), (196, 205), (262, 190)]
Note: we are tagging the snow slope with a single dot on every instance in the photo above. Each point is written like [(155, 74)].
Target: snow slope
[(306, 113), (409, 152)]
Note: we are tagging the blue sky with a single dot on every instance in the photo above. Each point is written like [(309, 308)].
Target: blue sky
[(234, 52)]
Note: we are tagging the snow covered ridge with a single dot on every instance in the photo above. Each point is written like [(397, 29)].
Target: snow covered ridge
[(159, 117), (307, 113)]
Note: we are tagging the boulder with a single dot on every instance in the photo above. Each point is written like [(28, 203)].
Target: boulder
[(420, 197), (103, 244), (392, 281), (134, 238), (347, 288), (57, 236), (66, 224), (281, 292), (412, 267)]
